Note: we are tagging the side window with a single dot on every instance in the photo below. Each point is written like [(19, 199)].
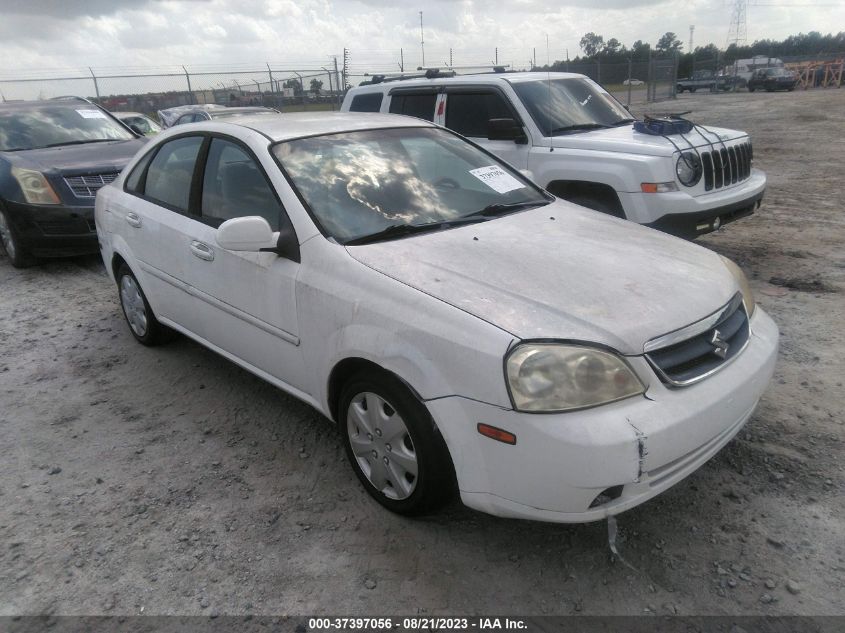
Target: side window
[(420, 106), (185, 118), (235, 187), (468, 113), (370, 102), (170, 172), (134, 182)]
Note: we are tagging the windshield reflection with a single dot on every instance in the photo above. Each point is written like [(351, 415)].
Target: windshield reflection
[(561, 105), (41, 126), (360, 183)]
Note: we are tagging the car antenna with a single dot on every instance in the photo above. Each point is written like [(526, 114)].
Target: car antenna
[(549, 84)]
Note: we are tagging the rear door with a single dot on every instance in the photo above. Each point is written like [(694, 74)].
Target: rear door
[(153, 221), (417, 102)]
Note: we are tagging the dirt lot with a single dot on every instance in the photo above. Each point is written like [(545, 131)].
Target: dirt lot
[(169, 481)]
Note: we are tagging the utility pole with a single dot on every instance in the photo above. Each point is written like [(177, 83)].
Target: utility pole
[(422, 41), (497, 56), (345, 69), (337, 82), (691, 29), (450, 58), (535, 58), (401, 60)]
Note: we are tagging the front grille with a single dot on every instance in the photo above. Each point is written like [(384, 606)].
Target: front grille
[(87, 186), (696, 351), (73, 226), (726, 166)]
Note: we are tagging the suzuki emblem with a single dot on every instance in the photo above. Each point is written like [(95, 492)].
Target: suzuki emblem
[(720, 344)]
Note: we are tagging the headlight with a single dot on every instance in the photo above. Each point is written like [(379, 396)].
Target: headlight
[(744, 286), (556, 377), (688, 168), (36, 189)]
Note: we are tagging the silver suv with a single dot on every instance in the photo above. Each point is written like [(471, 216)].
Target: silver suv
[(575, 139)]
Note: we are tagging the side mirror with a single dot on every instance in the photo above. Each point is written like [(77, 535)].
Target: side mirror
[(251, 233), (505, 130)]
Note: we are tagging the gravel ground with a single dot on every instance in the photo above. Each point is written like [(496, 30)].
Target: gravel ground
[(169, 481)]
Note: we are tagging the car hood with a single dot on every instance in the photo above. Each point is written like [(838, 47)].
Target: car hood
[(91, 158), (627, 140), (562, 272)]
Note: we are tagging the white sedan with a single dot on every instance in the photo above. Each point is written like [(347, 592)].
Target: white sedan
[(464, 329)]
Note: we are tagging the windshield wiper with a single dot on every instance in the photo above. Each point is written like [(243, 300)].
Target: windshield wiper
[(504, 208), (623, 122), (402, 230), (578, 127), (80, 142)]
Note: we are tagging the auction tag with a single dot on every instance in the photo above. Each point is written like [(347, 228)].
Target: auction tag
[(496, 178), (91, 114)]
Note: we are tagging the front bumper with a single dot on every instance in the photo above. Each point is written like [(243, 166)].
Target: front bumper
[(639, 447), (686, 215), (53, 230)]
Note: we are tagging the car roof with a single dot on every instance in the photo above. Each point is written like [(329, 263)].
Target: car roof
[(284, 127), (52, 103), (480, 78), (227, 111)]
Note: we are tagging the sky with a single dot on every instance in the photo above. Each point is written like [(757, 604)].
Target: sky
[(64, 37)]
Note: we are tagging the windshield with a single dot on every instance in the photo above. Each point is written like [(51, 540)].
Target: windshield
[(49, 126), (561, 106), (145, 125), (361, 183)]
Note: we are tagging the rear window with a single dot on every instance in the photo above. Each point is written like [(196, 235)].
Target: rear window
[(370, 102), (420, 106)]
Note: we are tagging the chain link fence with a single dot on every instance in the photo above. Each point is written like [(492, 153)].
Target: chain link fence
[(286, 89)]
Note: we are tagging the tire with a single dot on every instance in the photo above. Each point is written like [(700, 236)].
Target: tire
[(136, 310), (751, 88), (18, 256), (693, 89), (680, 90), (393, 445)]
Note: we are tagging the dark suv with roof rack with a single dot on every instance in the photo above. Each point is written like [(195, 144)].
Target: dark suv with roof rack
[(54, 156)]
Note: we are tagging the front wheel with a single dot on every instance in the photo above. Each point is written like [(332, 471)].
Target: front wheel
[(11, 244), (751, 88), (393, 445)]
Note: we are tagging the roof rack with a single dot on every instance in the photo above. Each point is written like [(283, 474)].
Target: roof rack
[(431, 72), (497, 68)]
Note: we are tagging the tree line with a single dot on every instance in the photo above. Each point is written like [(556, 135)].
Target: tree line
[(596, 49)]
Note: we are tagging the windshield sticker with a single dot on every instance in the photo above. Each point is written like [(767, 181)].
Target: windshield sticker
[(91, 114), (496, 178)]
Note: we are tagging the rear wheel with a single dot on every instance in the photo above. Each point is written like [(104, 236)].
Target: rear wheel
[(139, 316), (11, 244), (393, 445)]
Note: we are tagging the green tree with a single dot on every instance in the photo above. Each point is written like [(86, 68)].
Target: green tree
[(668, 44), (294, 84), (591, 44), (316, 86)]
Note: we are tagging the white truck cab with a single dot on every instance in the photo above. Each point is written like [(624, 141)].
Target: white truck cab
[(575, 139)]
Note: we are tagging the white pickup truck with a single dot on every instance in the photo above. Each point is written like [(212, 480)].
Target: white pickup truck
[(575, 139)]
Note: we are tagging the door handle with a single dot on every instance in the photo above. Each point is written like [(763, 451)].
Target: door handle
[(133, 220), (203, 251)]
